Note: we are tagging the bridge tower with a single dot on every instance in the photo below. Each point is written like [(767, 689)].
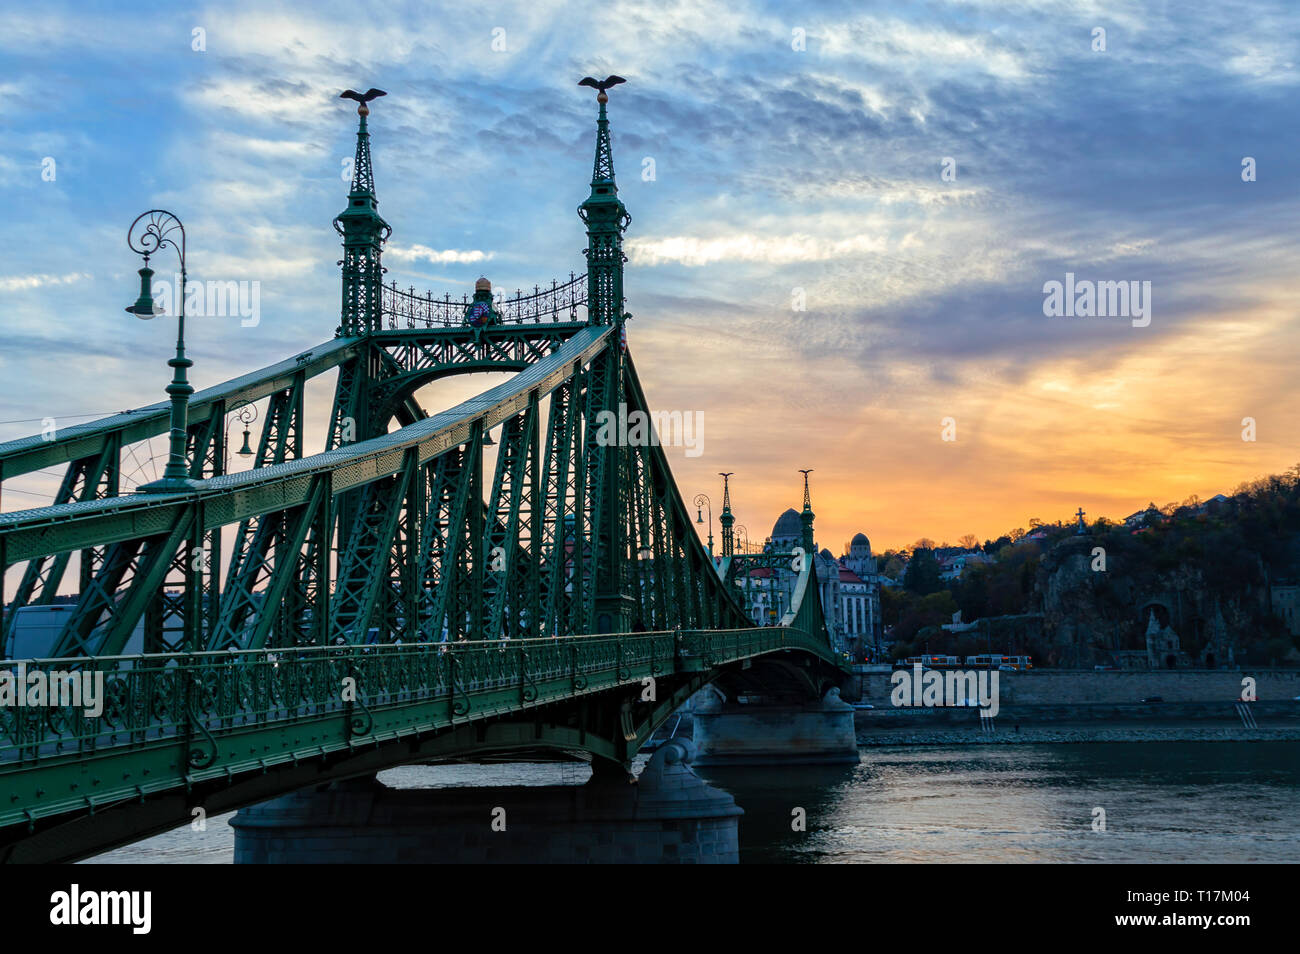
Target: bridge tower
[(806, 518), (728, 519), (606, 218), (364, 232)]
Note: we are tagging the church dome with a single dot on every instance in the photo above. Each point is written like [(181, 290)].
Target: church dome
[(860, 540), (787, 526)]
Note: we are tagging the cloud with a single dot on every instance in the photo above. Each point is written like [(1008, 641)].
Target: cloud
[(776, 169), (695, 252), (1270, 63), (939, 50), (28, 282), (422, 253)]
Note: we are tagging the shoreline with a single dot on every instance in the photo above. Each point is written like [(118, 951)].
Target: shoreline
[(1070, 734)]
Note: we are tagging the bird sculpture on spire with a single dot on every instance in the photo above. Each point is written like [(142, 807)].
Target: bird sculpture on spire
[(362, 98), (601, 86)]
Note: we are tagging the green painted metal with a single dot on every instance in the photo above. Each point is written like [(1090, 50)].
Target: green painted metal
[(150, 233), (119, 596), (606, 219), (364, 232), (510, 582), (174, 722), (727, 518), (444, 558), (363, 565), (609, 603), (89, 478), (806, 518)]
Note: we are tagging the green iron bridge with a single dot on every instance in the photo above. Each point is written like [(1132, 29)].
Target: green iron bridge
[(395, 597)]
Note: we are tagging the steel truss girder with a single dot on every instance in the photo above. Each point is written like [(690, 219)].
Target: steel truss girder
[(289, 571), (509, 569), (558, 485), (591, 533), (173, 613), (363, 566), (259, 536), (88, 478), (443, 561), (102, 624), (639, 509)]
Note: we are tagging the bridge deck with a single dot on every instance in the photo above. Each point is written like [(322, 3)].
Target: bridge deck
[(173, 721)]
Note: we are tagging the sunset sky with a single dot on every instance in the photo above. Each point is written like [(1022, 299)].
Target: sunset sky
[(775, 169)]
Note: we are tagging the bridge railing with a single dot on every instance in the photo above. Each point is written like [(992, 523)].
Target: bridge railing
[(722, 646), (798, 589), (410, 309), (161, 698)]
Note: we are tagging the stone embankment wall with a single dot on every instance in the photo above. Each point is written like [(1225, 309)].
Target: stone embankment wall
[(1265, 713), (1057, 687)]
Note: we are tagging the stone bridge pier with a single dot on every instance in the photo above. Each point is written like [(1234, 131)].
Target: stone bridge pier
[(750, 730), (668, 814)]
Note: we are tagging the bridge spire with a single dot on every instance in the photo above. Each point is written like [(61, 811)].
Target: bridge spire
[(364, 232), (606, 218), (727, 519), (806, 518)]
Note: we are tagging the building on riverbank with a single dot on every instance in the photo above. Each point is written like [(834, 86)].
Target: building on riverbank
[(848, 585)]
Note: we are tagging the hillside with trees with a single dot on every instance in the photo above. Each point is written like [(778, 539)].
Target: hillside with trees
[(1207, 569)]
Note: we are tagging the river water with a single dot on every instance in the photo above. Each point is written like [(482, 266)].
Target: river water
[(1162, 801)]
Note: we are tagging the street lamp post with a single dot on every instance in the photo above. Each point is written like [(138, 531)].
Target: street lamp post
[(701, 501), (150, 232), (743, 535), (245, 413)]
